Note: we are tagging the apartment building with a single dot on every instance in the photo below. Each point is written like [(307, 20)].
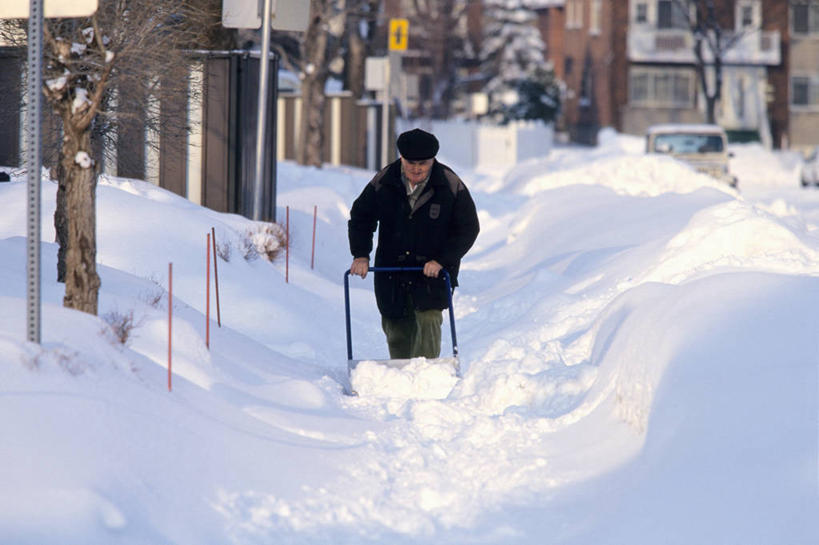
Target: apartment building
[(630, 64), (584, 42), (803, 76)]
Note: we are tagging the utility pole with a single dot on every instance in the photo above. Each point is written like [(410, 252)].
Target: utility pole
[(397, 40)]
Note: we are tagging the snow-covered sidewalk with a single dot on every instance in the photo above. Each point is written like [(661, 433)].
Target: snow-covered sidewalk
[(638, 350)]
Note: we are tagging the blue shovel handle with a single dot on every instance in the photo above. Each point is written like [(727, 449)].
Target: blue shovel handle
[(397, 269)]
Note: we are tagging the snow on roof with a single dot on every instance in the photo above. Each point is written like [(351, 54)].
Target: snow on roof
[(537, 4), (684, 127)]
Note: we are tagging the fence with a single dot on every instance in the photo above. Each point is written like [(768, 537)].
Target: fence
[(352, 130), (213, 164), (472, 144)]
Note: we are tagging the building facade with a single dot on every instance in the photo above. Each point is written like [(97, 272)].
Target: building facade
[(803, 76), (630, 64)]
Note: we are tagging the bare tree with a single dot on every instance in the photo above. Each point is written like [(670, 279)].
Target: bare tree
[(360, 30), (99, 72), (322, 52), (442, 39), (712, 42)]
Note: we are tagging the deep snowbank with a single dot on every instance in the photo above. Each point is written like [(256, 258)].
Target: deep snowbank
[(638, 361)]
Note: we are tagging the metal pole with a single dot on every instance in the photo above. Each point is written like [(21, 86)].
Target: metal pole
[(347, 314), (33, 166), (444, 273), (261, 119), (385, 114)]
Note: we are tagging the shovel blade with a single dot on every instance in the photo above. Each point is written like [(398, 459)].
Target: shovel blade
[(450, 362)]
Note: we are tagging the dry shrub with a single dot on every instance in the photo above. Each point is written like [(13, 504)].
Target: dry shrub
[(154, 295), (224, 250), (120, 324), (267, 240)]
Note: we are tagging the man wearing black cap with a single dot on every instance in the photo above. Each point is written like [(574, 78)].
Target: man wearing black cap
[(425, 218)]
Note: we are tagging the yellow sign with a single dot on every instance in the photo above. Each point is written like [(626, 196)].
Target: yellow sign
[(399, 35)]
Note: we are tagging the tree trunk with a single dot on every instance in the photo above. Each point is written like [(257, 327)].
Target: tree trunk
[(717, 94), (314, 52), (79, 203), (356, 60), (312, 120), (61, 224), (710, 108)]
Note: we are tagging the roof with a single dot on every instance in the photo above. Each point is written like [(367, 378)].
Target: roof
[(684, 128), (541, 4)]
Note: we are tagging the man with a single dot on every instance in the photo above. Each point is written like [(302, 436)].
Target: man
[(426, 218)]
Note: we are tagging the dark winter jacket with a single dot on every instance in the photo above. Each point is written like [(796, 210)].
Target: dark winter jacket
[(442, 227)]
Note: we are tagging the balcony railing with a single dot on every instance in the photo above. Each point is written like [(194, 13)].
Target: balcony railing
[(677, 46)]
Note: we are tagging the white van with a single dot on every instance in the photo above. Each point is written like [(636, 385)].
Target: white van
[(704, 147)]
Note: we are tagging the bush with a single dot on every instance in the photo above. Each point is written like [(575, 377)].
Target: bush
[(267, 240), (224, 250), (120, 324), (154, 296)]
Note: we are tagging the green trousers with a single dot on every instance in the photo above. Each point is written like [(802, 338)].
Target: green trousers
[(416, 336)]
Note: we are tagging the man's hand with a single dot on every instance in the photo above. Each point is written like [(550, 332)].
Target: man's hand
[(360, 267), (432, 268)]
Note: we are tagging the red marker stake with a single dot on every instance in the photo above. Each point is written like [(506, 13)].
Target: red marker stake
[(216, 278), (170, 319)]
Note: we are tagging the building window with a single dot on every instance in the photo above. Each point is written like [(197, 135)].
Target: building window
[(586, 88), (639, 88), (805, 18), (568, 64), (805, 91), (662, 88), (574, 14), (747, 16), (670, 15), (594, 16), (641, 13)]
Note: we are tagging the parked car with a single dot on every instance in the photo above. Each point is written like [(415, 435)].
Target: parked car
[(810, 169), (704, 147)]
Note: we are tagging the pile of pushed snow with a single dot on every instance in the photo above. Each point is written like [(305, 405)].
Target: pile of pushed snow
[(609, 140), (731, 236), (638, 176), (419, 379), (756, 165)]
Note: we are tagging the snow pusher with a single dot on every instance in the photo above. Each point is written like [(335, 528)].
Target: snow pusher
[(400, 363)]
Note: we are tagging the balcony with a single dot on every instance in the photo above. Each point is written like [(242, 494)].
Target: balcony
[(676, 46)]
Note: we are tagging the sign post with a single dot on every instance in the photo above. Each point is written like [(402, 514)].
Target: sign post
[(397, 40), (261, 118), (36, 11), (278, 14), (33, 170)]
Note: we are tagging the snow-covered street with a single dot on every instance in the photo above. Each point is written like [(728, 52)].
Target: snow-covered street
[(638, 349)]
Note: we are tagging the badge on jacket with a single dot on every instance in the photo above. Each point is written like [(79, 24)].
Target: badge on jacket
[(434, 211)]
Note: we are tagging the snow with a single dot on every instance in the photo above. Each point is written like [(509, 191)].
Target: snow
[(81, 101), (83, 159), (638, 365), (78, 49), (57, 84)]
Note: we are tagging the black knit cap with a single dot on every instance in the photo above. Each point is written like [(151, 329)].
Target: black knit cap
[(417, 145)]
